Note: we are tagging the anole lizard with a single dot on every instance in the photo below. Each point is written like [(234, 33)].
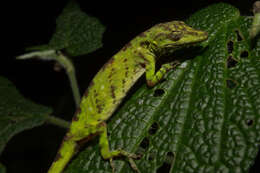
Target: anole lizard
[(114, 79)]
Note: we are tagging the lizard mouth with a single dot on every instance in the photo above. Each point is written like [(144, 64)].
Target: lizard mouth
[(177, 45)]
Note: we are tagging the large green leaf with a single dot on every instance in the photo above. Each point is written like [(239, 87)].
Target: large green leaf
[(76, 32), (17, 113), (205, 117)]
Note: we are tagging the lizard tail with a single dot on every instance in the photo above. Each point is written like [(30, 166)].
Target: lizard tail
[(67, 150)]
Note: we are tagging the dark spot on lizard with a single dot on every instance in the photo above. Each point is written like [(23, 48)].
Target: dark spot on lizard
[(127, 46), (111, 74), (99, 105), (113, 88), (86, 139), (66, 138), (142, 65), (158, 35), (114, 101), (95, 93), (86, 93), (125, 60), (102, 124), (174, 37), (144, 44), (123, 82), (78, 111), (75, 117), (142, 35), (58, 156), (166, 27), (142, 56), (158, 25), (91, 84), (192, 33), (184, 29), (176, 27), (181, 24), (110, 77), (110, 61), (126, 74)]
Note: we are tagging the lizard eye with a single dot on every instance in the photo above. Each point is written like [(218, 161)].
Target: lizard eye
[(175, 36)]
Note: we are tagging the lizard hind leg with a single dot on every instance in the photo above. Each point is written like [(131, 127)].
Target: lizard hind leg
[(107, 154)]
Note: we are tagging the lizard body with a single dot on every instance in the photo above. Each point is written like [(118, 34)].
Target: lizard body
[(115, 78)]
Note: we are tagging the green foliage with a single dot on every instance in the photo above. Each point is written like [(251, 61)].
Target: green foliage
[(2, 168), (76, 32), (205, 117), (17, 113)]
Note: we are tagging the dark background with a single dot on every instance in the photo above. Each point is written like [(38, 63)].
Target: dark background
[(27, 23)]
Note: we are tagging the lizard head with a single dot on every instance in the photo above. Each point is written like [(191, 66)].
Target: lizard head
[(175, 34)]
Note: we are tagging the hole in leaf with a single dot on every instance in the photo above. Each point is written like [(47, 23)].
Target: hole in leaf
[(169, 157), (158, 92), (153, 129), (231, 83), (166, 167), (244, 54), (151, 156), (170, 154), (231, 62), (249, 122), (108, 133), (239, 36), (145, 143), (230, 46)]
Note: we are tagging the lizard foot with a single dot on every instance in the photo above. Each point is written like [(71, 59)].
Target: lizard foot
[(130, 157)]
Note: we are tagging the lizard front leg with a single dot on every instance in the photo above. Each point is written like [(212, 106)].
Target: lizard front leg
[(108, 154), (152, 76)]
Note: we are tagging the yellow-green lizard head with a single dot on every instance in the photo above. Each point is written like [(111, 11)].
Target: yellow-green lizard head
[(176, 34)]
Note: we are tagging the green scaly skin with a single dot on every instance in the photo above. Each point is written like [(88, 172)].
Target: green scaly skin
[(115, 78)]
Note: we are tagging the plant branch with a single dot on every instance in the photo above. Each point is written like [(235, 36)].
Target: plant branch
[(62, 60), (58, 122)]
